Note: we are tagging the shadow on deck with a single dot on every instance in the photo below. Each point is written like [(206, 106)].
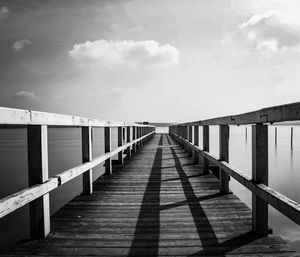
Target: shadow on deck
[(157, 204)]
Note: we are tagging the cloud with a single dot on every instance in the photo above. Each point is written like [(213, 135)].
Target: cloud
[(20, 44), (128, 53), (267, 32), (4, 12), (25, 94)]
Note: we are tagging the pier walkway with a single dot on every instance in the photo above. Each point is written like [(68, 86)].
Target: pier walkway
[(159, 203)]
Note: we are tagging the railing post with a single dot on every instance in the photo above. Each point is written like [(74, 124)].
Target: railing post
[(259, 175), (107, 149), (133, 138), (87, 177), (128, 141), (224, 156), (196, 143), (37, 143), (190, 139), (206, 148), (183, 131), (120, 143), (141, 134), (138, 136), (186, 147)]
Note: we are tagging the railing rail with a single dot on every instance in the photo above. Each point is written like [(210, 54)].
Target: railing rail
[(40, 185), (280, 113), (10, 116), (262, 194)]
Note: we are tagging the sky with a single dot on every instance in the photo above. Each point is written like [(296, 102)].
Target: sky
[(162, 61)]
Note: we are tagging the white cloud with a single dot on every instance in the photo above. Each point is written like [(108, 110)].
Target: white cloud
[(133, 54), (4, 12), (268, 32), (25, 94), (20, 44)]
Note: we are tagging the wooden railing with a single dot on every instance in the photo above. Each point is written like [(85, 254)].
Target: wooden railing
[(262, 194), (40, 185)]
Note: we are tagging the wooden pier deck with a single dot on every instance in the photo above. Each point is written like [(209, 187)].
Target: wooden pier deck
[(157, 204)]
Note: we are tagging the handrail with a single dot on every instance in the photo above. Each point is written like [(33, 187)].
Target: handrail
[(37, 194), (288, 207), (280, 113), (11, 116), (262, 194), (17, 200)]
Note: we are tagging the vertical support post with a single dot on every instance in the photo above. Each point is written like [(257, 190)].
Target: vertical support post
[(87, 177), (292, 136), (133, 138), (141, 134), (120, 143), (196, 143), (246, 133), (206, 148), (128, 141), (138, 136), (186, 131), (107, 149), (224, 156), (275, 136), (259, 175), (39, 209), (190, 139)]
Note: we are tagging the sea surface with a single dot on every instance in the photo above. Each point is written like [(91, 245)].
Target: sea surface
[(65, 152)]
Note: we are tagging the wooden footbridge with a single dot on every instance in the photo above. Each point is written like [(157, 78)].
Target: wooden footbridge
[(161, 200)]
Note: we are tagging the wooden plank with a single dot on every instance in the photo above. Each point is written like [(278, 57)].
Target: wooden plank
[(10, 116), (285, 205), (121, 218), (21, 198), (87, 177), (76, 171), (39, 209)]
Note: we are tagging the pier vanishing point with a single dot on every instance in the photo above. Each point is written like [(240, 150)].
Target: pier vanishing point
[(163, 196)]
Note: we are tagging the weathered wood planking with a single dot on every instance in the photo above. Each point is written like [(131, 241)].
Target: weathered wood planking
[(285, 205), (158, 204), (21, 198), (11, 116)]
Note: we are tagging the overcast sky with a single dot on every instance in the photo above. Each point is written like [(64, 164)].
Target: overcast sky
[(149, 60)]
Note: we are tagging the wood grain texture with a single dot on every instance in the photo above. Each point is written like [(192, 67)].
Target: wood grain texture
[(158, 204), (39, 209), (285, 205), (11, 116), (21, 198)]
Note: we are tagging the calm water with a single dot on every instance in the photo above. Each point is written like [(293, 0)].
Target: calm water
[(65, 152)]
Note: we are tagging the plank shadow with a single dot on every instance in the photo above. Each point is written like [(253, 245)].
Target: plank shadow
[(221, 249), (151, 195)]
